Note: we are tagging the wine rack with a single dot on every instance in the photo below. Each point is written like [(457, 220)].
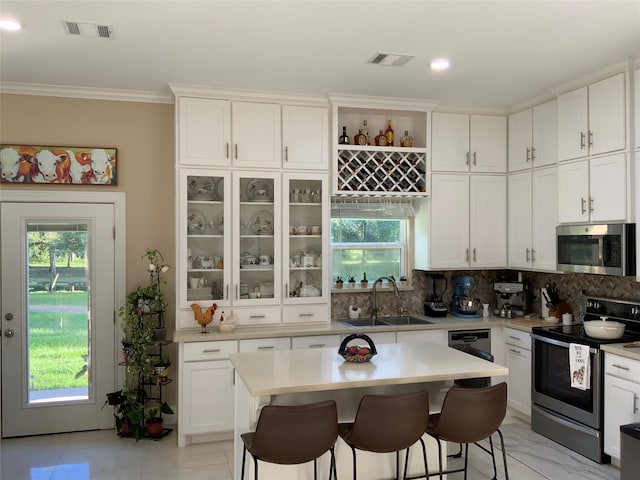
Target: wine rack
[(391, 171)]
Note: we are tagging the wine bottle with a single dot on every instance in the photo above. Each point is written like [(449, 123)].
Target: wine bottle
[(344, 138), (360, 138), (389, 134)]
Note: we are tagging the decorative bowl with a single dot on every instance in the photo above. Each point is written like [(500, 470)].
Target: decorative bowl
[(604, 329), (357, 353), (552, 320)]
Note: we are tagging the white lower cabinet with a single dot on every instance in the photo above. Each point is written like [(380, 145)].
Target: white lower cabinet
[(517, 345), (621, 398), (436, 336), (206, 393), (315, 341), (265, 344)]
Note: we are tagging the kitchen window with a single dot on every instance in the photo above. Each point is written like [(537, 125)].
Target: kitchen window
[(371, 237)]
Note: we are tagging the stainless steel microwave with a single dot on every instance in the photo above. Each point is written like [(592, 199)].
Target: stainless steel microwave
[(600, 249)]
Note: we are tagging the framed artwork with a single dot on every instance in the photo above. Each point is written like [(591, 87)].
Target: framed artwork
[(66, 165)]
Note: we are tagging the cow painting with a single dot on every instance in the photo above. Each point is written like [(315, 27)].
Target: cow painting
[(70, 165)]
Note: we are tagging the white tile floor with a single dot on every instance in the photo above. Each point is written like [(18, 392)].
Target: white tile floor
[(102, 455)]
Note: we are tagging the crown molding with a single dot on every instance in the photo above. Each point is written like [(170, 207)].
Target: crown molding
[(237, 94), (85, 92)]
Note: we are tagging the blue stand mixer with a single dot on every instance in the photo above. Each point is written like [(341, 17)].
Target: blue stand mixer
[(463, 304)]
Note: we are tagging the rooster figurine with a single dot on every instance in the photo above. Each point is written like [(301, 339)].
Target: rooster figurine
[(204, 318)]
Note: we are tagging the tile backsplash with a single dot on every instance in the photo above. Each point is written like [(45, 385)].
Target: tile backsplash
[(568, 285)]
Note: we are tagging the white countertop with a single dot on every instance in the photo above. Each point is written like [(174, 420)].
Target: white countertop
[(337, 327), (619, 349), (312, 370)]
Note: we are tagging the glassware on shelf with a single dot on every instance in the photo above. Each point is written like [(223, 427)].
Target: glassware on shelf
[(406, 140)]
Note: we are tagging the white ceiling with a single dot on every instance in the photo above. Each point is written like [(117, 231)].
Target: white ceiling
[(503, 53)]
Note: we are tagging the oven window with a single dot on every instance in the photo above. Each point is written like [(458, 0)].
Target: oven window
[(552, 378)]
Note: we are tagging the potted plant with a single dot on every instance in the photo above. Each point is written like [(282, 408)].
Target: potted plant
[(127, 412), (364, 282), (141, 314), (155, 421), (339, 282), (352, 281), (161, 370)]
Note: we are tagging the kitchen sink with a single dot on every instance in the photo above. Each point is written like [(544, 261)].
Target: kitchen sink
[(404, 320), (386, 321)]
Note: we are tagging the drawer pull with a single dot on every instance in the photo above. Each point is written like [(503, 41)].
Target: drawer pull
[(306, 315), (515, 338), (621, 367), (266, 347), (211, 350), (257, 316), (514, 351), (317, 345)]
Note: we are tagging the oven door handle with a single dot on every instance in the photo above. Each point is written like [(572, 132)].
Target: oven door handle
[(559, 343), (566, 423)]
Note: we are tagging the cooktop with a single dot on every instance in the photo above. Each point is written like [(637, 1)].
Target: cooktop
[(592, 308)]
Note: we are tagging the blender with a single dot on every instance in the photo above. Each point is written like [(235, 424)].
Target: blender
[(434, 306), (463, 304)]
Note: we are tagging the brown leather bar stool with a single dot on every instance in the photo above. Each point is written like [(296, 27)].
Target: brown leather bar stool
[(479, 382), (277, 436), (388, 423), (469, 415)]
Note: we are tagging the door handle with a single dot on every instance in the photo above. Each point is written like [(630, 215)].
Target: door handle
[(528, 255), (474, 159), (583, 205), (9, 333), (528, 154), (582, 141)]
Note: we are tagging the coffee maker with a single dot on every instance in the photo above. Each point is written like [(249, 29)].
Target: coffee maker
[(512, 299), (434, 306), (464, 305)]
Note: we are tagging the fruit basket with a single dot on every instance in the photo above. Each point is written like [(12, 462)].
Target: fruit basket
[(357, 353)]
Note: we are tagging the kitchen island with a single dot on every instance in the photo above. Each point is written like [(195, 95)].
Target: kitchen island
[(304, 376)]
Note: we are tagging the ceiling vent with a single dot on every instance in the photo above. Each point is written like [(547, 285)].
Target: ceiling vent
[(87, 29), (390, 59)]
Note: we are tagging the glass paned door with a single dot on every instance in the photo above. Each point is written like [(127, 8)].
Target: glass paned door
[(57, 312), (58, 317)]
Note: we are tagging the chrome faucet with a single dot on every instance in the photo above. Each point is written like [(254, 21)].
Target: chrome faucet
[(374, 297)]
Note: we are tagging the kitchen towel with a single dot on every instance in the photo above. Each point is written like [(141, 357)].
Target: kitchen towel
[(579, 366)]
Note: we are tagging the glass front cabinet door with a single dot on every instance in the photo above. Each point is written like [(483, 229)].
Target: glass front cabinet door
[(306, 218), (257, 235), (205, 209)]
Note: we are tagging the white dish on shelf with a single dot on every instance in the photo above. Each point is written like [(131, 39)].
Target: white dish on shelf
[(196, 222), (261, 223), (202, 188), (259, 190)]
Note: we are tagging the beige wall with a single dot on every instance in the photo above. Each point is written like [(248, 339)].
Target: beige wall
[(143, 135)]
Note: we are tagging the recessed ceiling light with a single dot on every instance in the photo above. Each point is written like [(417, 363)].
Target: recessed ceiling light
[(8, 23), (439, 64)]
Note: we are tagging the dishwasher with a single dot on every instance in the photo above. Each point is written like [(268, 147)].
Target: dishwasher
[(479, 339)]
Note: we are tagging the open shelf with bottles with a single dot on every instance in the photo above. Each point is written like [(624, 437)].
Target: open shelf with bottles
[(380, 170)]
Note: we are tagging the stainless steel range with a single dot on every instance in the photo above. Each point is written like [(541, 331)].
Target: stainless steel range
[(570, 416)]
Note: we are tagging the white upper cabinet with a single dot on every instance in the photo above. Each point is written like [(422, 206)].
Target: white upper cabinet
[(468, 225), (533, 137), (305, 138), (204, 131), (468, 143), (545, 134), (257, 138), (593, 190), (532, 219), (520, 140), (222, 133), (637, 108), (591, 120)]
